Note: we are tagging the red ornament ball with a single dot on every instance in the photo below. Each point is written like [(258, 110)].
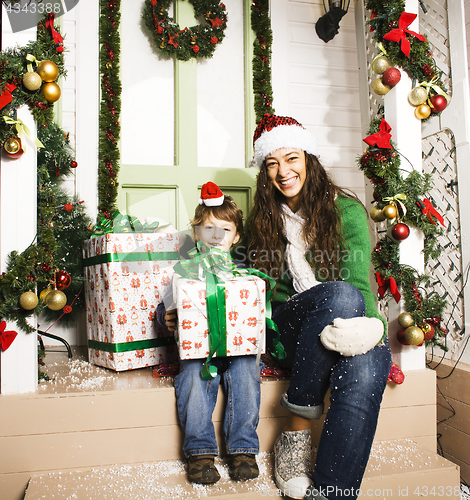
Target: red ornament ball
[(428, 330), (400, 231), (439, 103), (67, 309), (62, 280), (12, 147), (74, 164), (401, 337), (68, 207), (214, 40), (391, 77), (196, 49)]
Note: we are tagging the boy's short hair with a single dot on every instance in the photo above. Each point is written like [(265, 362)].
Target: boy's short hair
[(228, 211)]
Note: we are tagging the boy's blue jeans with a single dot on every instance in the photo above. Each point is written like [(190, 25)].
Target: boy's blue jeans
[(356, 383), (196, 399)]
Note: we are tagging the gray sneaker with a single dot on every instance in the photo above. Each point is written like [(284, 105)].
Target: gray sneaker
[(292, 463)]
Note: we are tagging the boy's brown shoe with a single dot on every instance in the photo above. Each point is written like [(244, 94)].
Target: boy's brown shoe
[(242, 467), (201, 469)]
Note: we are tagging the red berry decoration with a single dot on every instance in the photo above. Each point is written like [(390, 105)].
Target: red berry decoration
[(74, 164), (439, 103), (62, 280), (400, 231), (391, 77)]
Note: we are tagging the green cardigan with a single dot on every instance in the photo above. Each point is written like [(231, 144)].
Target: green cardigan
[(355, 260)]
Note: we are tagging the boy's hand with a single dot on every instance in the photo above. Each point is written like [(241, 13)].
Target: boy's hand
[(171, 320)]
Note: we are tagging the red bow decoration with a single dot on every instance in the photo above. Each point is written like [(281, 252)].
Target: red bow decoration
[(5, 96), (57, 37), (384, 284), (428, 210), (6, 337), (399, 34), (382, 138)]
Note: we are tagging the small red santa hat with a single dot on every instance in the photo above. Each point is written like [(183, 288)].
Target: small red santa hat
[(211, 195), (276, 132)]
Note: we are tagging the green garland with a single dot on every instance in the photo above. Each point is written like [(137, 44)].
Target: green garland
[(262, 88), (13, 66), (382, 167), (197, 41), (419, 64), (110, 107)]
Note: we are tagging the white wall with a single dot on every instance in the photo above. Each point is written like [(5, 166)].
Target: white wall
[(317, 83)]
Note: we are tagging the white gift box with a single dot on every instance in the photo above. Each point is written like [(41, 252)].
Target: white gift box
[(126, 276), (245, 316)]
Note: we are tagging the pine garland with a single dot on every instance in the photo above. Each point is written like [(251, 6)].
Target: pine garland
[(262, 87), (110, 107), (383, 167), (13, 66), (197, 41)]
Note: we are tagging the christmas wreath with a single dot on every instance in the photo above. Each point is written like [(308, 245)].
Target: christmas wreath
[(196, 41)]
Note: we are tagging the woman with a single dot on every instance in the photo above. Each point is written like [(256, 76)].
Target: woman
[(313, 238)]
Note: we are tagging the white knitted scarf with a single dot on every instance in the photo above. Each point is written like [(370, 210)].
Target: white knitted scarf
[(303, 276)]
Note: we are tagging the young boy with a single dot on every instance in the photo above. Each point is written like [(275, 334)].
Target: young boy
[(217, 223)]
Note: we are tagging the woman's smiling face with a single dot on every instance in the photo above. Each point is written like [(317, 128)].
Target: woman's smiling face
[(287, 170)]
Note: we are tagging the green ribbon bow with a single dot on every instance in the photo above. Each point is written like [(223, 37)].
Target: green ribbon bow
[(23, 130), (31, 59), (399, 198), (215, 266), (431, 85), (122, 224)]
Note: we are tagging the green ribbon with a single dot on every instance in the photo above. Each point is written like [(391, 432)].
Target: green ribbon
[(31, 59), (23, 130), (214, 266), (137, 345), (129, 257), (122, 224), (397, 198), (431, 85)]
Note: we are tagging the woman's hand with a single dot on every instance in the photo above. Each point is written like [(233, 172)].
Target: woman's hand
[(171, 320), (353, 336)]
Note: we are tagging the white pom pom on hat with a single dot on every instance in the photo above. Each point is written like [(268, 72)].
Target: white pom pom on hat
[(211, 195), (276, 132)]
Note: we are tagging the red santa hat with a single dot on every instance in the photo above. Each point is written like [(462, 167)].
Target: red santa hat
[(211, 195), (276, 132)]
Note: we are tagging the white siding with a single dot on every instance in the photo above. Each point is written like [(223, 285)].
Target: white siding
[(317, 84)]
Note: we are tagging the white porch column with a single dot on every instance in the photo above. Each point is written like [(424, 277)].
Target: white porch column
[(406, 133), (18, 181)]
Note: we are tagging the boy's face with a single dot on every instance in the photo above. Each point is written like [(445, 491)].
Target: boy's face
[(221, 234)]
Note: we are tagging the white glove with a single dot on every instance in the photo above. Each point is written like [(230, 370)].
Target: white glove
[(352, 336)]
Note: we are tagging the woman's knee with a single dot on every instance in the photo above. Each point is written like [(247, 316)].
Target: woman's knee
[(346, 300)]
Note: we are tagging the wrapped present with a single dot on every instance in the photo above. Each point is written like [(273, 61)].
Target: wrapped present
[(222, 310), (126, 277)]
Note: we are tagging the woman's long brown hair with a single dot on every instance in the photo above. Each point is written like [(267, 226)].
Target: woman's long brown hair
[(322, 230)]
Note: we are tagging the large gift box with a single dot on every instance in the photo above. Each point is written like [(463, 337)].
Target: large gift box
[(242, 316), (126, 277)]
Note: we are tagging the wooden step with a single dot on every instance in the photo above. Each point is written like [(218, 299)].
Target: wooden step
[(61, 431), (396, 469)]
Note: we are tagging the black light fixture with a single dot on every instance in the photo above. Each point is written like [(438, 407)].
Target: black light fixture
[(327, 26)]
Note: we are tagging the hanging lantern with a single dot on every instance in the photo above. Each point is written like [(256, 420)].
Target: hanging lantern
[(327, 27)]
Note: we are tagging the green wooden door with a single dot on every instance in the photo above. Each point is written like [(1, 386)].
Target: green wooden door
[(185, 123)]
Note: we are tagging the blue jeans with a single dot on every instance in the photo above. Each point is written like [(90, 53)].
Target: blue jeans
[(196, 399), (356, 383)]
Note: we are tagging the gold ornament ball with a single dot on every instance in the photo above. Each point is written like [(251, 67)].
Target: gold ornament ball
[(405, 319), (32, 81), (390, 211), (47, 70), (422, 111), (414, 335), (12, 145), (379, 87), (380, 65), (51, 91), (56, 300), (44, 293), (417, 96), (376, 214), (28, 300)]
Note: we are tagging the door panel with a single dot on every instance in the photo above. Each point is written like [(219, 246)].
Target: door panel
[(185, 123)]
